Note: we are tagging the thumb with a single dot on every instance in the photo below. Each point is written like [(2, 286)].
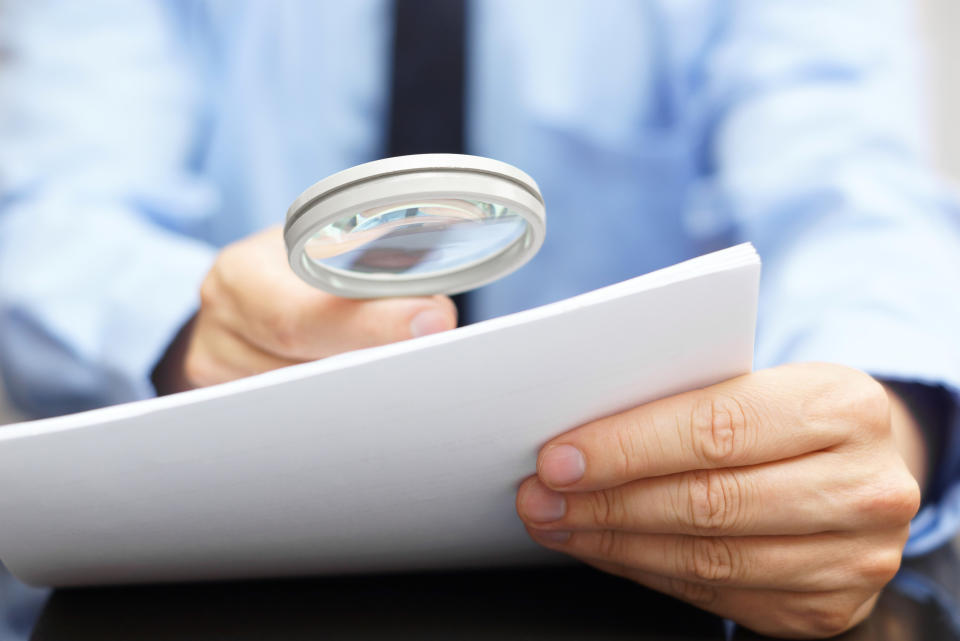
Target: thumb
[(435, 318)]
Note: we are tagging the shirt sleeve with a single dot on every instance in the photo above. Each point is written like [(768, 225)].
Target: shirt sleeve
[(814, 150), (100, 214)]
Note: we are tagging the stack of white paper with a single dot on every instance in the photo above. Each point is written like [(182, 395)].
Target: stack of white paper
[(400, 457)]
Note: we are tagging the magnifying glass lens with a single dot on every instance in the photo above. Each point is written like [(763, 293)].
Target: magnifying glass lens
[(415, 226), (415, 238)]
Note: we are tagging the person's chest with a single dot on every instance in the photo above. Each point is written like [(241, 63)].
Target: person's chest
[(587, 97)]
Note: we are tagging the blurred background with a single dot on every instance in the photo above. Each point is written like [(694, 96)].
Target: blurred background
[(939, 24)]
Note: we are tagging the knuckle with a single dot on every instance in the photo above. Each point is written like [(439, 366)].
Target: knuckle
[(608, 544), (711, 560), (718, 430), (814, 616), (827, 623), (828, 616), (908, 499), (281, 329), (880, 566), (697, 594), (868, 400), (845, 402), (817, 615), (608, 508), (901, 536), (856, 398), (893, 499), (713, 502), (627, 451)]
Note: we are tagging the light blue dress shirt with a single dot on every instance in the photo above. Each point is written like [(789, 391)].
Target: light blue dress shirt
[(137, 138)]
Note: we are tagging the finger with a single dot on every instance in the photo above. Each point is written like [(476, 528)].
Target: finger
[(766, 416), (779, 613), (805, 495), (321, 325), (217, 355), (253, 291), (817, 563), (328, 325)]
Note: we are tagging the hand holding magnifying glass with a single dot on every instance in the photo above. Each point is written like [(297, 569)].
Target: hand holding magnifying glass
[(385, 240)]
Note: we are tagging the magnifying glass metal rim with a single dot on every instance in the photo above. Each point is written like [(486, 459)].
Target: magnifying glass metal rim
[(404, 179)]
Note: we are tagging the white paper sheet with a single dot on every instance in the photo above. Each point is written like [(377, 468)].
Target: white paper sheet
[(399, 457)]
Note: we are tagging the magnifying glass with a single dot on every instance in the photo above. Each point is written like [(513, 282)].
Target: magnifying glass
[(415, 226)]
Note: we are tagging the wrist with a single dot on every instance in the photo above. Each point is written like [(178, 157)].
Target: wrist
[(909, 437), (168, 375), (920, 418)]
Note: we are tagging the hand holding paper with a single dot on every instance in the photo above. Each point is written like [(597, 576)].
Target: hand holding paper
[(256, 316), (778, 499)]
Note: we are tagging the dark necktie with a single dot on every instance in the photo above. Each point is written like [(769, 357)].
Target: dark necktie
[(426, 108)]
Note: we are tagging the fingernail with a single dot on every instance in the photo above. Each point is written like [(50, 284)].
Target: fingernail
[(540, 504), (562, 465), (552, 536), (429, 321)]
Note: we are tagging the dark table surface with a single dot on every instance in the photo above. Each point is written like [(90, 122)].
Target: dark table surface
[(535, 603)]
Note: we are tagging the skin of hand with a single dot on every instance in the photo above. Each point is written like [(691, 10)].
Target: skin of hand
[(780, 499), (257, 315)]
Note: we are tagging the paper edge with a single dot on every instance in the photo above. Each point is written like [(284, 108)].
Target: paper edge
[(737, 256)]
